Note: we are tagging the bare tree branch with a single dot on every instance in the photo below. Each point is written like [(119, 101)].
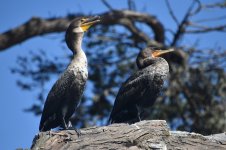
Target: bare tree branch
[(182, 25), (171, 12), (215, 5), (116, 17), (34, 27), (38, 26), (131, 5), (205, 29), (211, 19), (198, 9), (107, 5)]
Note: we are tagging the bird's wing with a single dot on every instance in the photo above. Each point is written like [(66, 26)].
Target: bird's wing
[(56, 96), (133, 88)]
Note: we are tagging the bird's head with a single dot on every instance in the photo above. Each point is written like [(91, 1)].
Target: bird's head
[(76, 29), (150, 55), (82, 24)]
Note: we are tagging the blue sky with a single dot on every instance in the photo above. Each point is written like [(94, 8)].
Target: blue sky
[(18, 128)]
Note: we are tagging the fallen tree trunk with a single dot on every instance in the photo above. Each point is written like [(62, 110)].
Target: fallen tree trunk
[(153, 134)]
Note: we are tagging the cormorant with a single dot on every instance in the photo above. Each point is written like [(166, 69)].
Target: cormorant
[(141, 89), (66, 93)]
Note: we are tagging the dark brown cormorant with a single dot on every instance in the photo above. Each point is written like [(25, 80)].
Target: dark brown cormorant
[(142, 88), (66, 93)]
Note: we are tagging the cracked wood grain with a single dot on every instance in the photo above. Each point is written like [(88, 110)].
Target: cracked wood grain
[(153, 134)]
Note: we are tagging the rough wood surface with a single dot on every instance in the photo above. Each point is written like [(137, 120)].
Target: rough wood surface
[(153, 134)]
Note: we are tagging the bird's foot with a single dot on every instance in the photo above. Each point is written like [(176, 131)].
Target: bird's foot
[(76, 130)]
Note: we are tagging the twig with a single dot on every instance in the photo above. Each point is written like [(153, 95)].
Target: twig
[(107, 5), (171, 12), (182, 25), (207, 29), (211, 19), (215, 5), (198, 9), (131, 5)]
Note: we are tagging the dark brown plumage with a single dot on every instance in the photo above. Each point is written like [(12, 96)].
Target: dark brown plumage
[(66, 93), (142, 88)]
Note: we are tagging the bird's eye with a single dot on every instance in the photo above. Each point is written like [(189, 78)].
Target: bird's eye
[(83, 19)]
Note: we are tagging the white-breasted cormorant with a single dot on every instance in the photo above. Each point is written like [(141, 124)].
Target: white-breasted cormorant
[(141, 89), (66, 93)]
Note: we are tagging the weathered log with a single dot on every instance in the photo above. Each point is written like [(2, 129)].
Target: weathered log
[(153, 134)]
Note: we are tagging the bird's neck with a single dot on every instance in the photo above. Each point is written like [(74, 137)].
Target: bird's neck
[(143, 63), (79, 58), (79, 61), (77, 44), (159, 63), (161, 66)]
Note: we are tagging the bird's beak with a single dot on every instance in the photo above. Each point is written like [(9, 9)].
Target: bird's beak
[(157, 53), (88, 22)]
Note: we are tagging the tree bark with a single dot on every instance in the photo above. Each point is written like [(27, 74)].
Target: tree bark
[(37, 26), (152, 134)]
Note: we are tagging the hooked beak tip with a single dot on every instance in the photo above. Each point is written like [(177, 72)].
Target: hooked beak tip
[(158, 53)]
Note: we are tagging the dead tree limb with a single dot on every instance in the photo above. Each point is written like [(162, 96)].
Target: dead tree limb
[(153, 134), (38, 26)]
